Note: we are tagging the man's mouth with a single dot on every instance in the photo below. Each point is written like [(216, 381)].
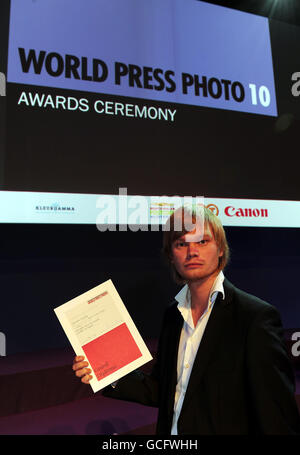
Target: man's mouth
[(193, 264)]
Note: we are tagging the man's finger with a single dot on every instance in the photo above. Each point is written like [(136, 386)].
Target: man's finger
[(86, 379), (82, 372), (79, 365), (78, 358)]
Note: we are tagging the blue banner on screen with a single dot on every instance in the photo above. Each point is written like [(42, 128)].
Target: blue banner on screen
[(178, 51)]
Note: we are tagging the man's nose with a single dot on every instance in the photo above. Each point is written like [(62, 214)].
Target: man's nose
[(192, 249)]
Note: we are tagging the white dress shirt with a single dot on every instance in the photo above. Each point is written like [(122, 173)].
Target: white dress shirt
[(190, 339)]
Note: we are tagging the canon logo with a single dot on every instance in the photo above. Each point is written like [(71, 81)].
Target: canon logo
[(256, 213)]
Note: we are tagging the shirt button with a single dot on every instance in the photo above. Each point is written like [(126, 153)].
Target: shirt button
[(186, 365)]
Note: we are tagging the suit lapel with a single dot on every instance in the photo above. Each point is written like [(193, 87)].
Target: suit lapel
[(174, 338), (212, 339)]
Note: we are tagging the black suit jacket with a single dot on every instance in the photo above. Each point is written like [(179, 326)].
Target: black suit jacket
[(242, 381)]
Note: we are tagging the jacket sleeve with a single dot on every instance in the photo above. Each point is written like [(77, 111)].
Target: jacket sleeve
[(137, 387), (271, 377)]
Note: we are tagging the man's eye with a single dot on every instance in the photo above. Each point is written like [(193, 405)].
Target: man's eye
[(202, 241), (180, 244)]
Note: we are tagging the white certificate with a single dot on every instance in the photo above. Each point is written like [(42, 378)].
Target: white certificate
[(100, 328)]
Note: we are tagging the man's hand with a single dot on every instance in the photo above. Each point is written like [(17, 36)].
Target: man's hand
[(81, 371)]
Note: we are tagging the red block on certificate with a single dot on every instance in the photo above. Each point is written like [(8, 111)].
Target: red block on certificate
[(111, 351)]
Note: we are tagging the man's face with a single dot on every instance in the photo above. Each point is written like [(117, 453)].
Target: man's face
[(197, 259)]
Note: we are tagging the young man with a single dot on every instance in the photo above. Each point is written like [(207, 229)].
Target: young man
[(222, 365)]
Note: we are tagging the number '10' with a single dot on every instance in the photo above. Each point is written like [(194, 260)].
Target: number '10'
[(263, 93)]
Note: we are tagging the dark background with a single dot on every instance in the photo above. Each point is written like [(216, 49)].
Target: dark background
[(42, 266)]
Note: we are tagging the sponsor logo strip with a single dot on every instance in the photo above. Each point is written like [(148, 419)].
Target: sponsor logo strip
[(69, 208)]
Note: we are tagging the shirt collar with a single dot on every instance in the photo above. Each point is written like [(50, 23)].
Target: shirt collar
[(184, 299)]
